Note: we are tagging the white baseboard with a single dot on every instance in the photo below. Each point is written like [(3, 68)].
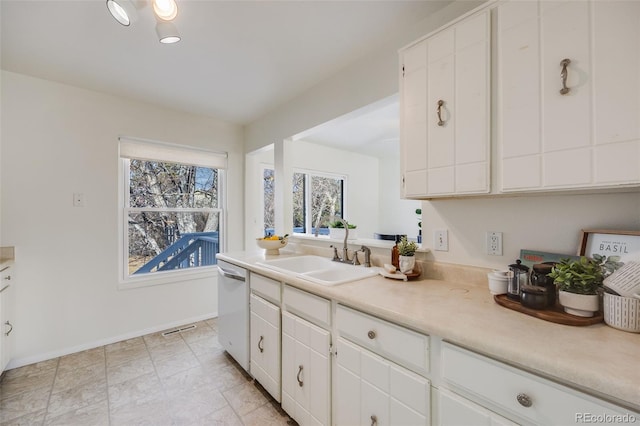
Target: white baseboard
[(20, 362)]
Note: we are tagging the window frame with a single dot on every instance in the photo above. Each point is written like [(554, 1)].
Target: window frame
[(308, 224), (127, 281)]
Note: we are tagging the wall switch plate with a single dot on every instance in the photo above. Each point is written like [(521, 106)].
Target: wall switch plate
[(440, 240), (494, 243), (78, 199)]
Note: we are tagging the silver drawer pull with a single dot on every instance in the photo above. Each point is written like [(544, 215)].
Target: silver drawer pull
[(524, 400), (260, 344), (8, 278), (300, 383), (440, 104), (563, 76), (371, 334), (10, 330)]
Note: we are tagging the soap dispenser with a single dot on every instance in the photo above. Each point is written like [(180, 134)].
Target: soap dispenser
[(395, 254)]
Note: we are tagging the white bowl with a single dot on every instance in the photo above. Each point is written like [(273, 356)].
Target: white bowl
[(498, 282), (271, 246)]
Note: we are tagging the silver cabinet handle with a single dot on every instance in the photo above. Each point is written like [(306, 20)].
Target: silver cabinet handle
[(371, 334), (10, 330), (230, 274), (260, 344), (300, 383), (440, 104), (374, 420), (8, 278), (563, 76), (524, 400)]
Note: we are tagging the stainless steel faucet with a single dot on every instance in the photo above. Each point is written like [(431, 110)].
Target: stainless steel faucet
[(345, 250)]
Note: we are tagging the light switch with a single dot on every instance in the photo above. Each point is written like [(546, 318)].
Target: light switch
[(78, 199)]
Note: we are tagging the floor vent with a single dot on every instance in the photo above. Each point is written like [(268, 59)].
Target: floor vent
[(179, 330)]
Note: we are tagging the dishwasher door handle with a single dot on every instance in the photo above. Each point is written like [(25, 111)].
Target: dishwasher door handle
[(230, 274)]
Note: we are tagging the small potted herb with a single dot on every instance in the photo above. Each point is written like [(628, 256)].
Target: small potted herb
[(407, 250), (579, 281)]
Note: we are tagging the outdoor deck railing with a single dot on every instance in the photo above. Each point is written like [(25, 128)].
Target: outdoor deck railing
[(190, 250)]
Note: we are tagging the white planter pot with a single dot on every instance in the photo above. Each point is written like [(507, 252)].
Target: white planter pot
[(338, 234), (582, 305), (407, 263)]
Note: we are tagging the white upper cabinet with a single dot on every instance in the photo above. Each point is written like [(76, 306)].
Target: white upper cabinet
[(445, 111), (569, 94)]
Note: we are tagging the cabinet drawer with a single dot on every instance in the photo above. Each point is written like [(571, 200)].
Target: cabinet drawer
[(266, 288), (265, 310), (407, 348), (519, 393), (308, 306)]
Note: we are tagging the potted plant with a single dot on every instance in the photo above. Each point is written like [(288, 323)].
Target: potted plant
[(406, 251), (579, 280), (336, 230)]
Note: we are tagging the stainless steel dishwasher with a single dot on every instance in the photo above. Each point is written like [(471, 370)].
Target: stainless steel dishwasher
[(233, 311)]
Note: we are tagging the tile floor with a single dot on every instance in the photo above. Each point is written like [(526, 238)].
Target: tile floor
[(182, 379)]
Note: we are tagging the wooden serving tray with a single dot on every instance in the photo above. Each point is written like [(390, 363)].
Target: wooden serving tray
[(555, 314)]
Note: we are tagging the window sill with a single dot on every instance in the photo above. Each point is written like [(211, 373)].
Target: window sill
[(169, 277), (369, 242)]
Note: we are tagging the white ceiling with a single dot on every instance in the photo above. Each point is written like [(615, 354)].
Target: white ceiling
[(236, 61)]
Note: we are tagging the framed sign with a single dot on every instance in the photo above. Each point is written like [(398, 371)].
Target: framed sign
[(625, 244)]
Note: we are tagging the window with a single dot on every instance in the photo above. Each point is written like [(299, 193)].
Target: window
[(269, 200), (316, 199), (172, 207)]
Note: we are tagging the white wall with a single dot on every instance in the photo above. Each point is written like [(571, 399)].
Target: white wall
[(397, 216), (57, 140), (550, 223)]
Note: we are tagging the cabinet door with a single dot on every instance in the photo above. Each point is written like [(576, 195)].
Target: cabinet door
[(445, 134), (617, 92), (305, 371), (589, 135), (6, 320), (265, 345), (413, 127), (455, 411), (372, 390)]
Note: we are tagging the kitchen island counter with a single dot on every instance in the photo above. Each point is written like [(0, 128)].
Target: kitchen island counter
[(458, 308)]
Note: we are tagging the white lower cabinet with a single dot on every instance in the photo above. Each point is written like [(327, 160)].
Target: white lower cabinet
[(6, 317), (371, 390), (306, 371), (454, 410), (265, 344), (518, 395)]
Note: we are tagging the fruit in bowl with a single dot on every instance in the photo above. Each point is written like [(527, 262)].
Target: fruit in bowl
[(272, 243)]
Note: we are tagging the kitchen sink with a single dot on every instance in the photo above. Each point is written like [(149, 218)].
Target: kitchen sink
[(319, 270)]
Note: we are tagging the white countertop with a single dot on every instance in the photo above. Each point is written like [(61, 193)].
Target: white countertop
[(597, 359)]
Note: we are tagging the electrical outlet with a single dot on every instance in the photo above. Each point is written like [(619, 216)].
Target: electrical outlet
[(494, 243), (440, 240)]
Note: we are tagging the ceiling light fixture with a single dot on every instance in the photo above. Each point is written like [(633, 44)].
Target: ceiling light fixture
[(167, 32), (122, 11), (166, 10)]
